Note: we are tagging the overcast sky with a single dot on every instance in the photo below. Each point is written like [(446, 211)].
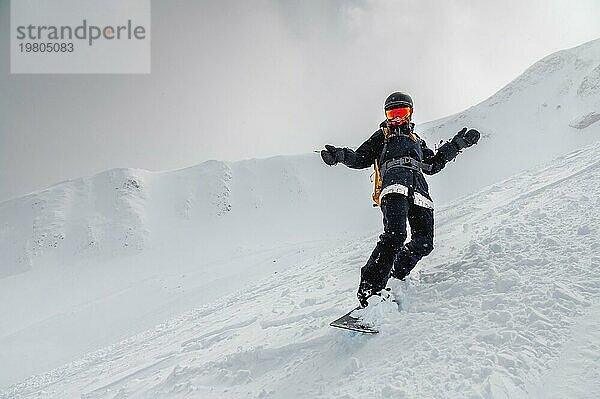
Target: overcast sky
[(254, 78)]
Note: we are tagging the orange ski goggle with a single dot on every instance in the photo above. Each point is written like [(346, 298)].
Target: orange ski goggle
[(401, 113)]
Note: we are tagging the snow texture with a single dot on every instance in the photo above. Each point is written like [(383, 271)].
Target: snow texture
[(551, 109), (119, 252), (507, 305)]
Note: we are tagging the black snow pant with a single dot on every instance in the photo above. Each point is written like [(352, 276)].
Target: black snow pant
[(390, 251)]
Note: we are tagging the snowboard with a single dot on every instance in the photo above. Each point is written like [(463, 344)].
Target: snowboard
[(348, 322)]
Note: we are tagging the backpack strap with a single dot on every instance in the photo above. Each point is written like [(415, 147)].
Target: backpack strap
[(378, 177), (385, 143)]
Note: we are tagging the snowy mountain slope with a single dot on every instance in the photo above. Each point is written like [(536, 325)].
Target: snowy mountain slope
[(121, 251), (121, 210), (551, 109), (502, 307)]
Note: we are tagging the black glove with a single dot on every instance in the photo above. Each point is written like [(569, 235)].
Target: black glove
[(332, 155), (464, 138)]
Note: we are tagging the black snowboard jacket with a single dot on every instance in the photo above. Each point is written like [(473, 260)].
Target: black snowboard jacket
[(408, 181)]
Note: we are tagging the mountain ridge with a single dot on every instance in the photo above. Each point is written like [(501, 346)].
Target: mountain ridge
[(501, 299), (132, 247)]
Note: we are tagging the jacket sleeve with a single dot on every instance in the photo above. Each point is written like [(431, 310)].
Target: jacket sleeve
[(438, 160), (366, 154)]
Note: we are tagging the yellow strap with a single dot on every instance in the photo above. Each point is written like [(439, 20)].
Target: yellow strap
[(377, 185)]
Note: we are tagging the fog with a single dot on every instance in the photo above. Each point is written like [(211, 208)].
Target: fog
[(240, 79)]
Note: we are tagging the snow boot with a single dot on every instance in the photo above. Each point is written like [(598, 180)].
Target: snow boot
[(365, 293)]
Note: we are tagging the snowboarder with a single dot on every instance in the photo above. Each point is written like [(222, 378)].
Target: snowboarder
[(400, 158)]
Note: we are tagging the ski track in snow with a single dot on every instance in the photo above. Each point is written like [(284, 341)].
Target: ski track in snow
[(505, 307), (162, 233)]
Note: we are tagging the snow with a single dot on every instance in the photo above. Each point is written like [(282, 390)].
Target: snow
[(474, 321), (507, 304), (585, 120), (578, 357), (117, 253), (548, 111)]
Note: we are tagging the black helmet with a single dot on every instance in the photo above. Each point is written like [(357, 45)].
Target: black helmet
[(397, 100)]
